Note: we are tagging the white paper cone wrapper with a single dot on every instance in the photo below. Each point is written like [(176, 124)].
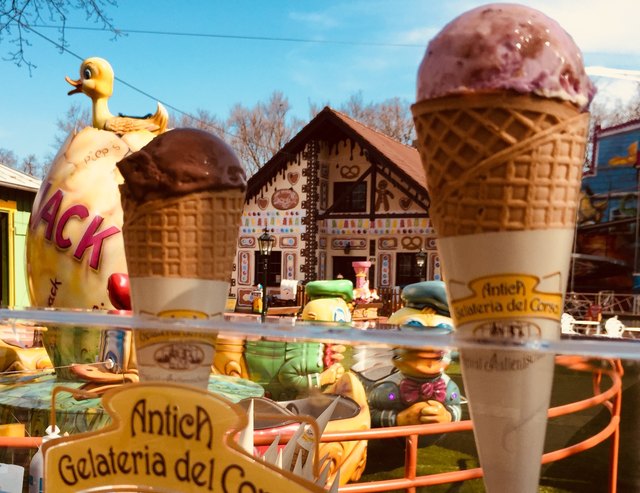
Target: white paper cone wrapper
[(508, 288), (177, 356)]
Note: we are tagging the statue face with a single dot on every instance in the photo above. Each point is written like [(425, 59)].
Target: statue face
[(327, 310), (420, 363)]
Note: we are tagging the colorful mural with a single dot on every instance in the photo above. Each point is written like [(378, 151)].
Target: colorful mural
[(610, 186), (608, 211)]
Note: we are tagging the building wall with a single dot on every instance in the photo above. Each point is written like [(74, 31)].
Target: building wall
[(17, 205), (382, 239), (283, 205), (279, 209)]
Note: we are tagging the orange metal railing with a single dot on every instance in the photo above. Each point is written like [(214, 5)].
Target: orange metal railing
[(610, 398)]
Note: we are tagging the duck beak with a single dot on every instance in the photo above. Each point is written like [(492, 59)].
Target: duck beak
[(77, 84)]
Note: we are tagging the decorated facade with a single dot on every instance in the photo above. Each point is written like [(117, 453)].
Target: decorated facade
[(337, 193)]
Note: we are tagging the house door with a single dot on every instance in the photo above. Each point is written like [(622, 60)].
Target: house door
[(342, 266)]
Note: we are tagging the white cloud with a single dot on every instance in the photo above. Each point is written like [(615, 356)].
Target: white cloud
[(418, 36), (317, 19), (596, 25), (599, 26)]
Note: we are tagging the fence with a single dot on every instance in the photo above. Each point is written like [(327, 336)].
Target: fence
[(609, 398), (580, 305)]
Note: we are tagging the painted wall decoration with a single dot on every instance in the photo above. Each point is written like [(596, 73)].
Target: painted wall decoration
[(354, 244), (411, 242), (244, 264), (405, 203), (383, 194), (430, 243), (350, 172), (247, 242), (262, 202), (629, 158), (322, 265), (617, 158), (387, 243), (288, 242), (322, 242), (386, 226), (324, 170), (289, 265), (293, 177), (278, 222), (384, 274), (285, 199), (433, 267), (324, 195), (244, 297), (618, 148)]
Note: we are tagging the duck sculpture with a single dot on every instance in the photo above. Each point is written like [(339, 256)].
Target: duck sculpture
[(96, 81)]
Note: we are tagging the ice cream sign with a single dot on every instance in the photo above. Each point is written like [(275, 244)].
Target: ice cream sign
[(56, 221), (166, 438), (506, 296)]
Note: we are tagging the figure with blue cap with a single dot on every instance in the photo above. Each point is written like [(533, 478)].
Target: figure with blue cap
[(416, 389)]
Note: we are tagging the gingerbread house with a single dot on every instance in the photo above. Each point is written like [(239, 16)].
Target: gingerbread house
[(337, 193)]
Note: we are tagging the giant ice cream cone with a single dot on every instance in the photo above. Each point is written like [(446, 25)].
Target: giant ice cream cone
[(182, 201), (503, 155)]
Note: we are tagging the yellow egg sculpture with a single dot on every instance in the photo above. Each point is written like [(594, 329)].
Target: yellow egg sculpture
[(74, 240)]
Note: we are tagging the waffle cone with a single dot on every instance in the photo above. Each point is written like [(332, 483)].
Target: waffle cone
[(192, 236), (501, 161)]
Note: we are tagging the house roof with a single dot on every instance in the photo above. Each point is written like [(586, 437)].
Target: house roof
[(332, 126), (12, 178)]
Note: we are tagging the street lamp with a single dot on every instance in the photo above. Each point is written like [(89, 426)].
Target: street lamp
[(421, 257), (265, 244)]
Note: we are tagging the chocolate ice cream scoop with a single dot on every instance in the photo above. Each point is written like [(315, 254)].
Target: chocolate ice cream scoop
[(179, 162)]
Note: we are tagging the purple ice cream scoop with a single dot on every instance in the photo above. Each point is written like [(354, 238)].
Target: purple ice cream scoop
[(504, 46)]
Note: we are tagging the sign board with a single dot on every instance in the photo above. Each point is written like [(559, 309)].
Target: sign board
[(164, 438)]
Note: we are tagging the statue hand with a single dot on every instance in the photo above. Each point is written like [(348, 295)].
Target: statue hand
[(331, 374), (424, 413)]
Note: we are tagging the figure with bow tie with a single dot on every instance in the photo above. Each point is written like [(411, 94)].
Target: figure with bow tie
[(414, 388)]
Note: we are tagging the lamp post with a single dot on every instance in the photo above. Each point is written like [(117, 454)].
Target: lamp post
[(421, 257), (265, 243)]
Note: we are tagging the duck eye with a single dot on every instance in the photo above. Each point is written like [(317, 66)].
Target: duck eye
[(86, 73)]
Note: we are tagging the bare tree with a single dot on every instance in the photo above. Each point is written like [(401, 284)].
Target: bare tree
[(77, 116), (606, 114), (32, 166), (18, 16), (258, 133), (8, 158), (203, 119), (29, 165), (391, 117)]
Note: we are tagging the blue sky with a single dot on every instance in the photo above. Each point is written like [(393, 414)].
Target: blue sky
[(370, 46)]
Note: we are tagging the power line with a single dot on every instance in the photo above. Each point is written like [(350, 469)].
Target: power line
[(233, 36), (140, 91)]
